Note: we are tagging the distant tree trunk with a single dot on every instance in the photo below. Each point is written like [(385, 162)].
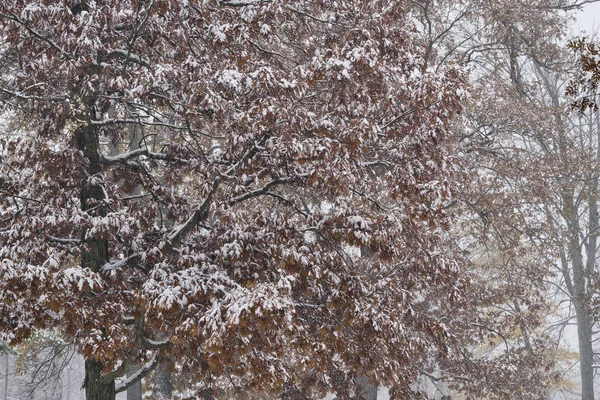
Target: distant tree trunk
[(367, 391), (68, 383), (98, 386), (163, 387), (581, 302), (584, 328), (6, 371), (134, 392)]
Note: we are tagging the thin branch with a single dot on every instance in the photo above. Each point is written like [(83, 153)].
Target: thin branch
[(35, 33), (242, 3), (263, 190)]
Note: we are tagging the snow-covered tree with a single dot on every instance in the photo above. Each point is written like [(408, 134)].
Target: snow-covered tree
[(276, 140)]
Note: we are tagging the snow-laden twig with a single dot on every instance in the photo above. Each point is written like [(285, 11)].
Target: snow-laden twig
[(258, 192), (155, 344)]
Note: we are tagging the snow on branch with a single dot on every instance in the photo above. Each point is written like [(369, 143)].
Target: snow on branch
[(242, 3), (21, 96), (64, 240), (139, 374), (142, 120), (128, 56), (123, 158), (258, 192), (115, 264), (155, 344)]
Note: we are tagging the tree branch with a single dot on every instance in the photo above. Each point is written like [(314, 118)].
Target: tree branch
[(242, 3), (123, 158), (263, 190), (139, 374), (200, 215), (35, 33)]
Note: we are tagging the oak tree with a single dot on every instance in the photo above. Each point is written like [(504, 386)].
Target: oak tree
[(276, 140)]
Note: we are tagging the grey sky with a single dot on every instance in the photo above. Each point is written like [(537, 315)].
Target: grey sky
[(588, 19)]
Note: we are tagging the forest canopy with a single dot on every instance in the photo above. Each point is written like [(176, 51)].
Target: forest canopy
[(292, 198)]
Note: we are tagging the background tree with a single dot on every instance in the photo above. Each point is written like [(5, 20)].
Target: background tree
[(513, 221), (538, 197)]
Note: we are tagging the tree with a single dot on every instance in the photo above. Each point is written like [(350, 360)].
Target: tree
[(5, 350), (42, 360), (277, 138), (505, 350), (539, 198)]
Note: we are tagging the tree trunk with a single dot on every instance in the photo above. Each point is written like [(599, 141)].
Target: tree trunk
[(584, 328), (586, 353), (6, 372), (68, 371), (98, 386), (134, 392), (367, 391), (163, 387), (95, 252)]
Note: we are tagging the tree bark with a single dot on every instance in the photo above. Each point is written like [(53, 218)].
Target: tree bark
[(6, 372), (98, 386), (367, 391), (584, 328), (586, 354), (94, 252), (134, 392), (163, 387)]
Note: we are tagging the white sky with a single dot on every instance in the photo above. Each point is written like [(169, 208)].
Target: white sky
[(588, 19)]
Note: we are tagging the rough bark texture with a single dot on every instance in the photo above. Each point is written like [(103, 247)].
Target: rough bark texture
[(581, 301), (98, 386), (367, 391), (134, 392), (94, 255), (163, 387)]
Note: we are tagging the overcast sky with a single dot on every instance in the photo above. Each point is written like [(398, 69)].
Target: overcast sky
[(588, 19)]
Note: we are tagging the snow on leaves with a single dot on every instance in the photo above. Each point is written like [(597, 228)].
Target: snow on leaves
[(190, 148)]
